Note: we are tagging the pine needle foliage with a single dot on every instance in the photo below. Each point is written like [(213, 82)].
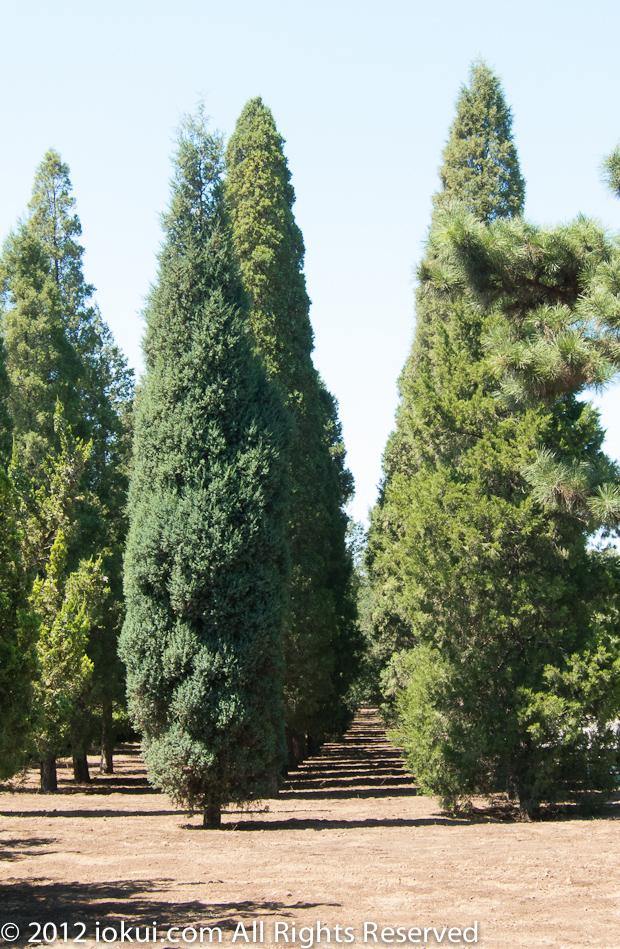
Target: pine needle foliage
[(206, 562), (321, 640)]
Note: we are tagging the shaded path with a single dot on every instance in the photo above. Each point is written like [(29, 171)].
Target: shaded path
[(363, 764)]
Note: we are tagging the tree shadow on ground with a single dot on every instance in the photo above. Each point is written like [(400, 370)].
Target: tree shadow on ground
[(136, 902), (17, 849)]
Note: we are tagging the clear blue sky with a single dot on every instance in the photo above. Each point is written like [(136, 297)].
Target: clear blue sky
[(363, 94)]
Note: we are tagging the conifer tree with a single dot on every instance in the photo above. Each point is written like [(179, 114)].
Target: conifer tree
[(206, 562), (320, 636), (496, 602), (102, 391)]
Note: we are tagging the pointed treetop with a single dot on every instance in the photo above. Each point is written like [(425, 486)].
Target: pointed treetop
[(53, 220), (480, 163)]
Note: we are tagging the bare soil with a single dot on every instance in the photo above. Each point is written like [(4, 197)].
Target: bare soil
[(349, 841)]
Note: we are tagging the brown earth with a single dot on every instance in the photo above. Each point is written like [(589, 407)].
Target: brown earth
[(348, 842)]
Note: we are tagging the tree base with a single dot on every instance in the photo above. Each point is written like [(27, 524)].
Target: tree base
[(106, 765), (81, 774), (49, 776), (212, 817)]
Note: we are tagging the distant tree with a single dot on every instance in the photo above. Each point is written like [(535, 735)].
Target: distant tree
[(320, 639), (206, 563)]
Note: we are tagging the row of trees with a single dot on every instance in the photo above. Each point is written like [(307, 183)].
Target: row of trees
[(494, 615), (240, 636)]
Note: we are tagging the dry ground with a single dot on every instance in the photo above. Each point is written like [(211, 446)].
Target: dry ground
[(348, 841)]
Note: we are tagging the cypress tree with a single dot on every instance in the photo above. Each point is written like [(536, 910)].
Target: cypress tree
[(206, 561), (320, 639), (489, 599)]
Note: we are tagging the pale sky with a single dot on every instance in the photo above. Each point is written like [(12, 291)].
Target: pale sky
[(364, 95)]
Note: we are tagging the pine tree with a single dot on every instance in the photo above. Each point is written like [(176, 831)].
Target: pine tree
[(495, 602), (320, 635), (206, 559)]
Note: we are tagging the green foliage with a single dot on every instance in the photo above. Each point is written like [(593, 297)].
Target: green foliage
[(320, 640), (41, 364), (64, 604), (6, 425), (480, 165), (206, 562), (485, 590), (17, 634), (611, 171)]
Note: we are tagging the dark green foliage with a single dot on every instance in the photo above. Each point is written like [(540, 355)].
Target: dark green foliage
[(6, 425), (206, 563), (506, 673), (17, 634), (320, 635)]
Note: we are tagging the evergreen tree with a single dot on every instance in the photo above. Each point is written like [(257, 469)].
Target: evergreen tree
[(320, 638), (495, 601), (206, 559), (103, 390)]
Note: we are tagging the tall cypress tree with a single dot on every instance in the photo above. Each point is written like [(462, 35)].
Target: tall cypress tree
[(471, 575), (320, 636), (206, 558)]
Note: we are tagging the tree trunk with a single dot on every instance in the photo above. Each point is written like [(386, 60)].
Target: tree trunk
[(314, 746), (212, 817), (49, 778), (297, 750), (107, 740), (273, 789), (80, 768)]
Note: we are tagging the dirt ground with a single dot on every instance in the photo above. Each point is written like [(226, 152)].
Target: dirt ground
[(349, 845)]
